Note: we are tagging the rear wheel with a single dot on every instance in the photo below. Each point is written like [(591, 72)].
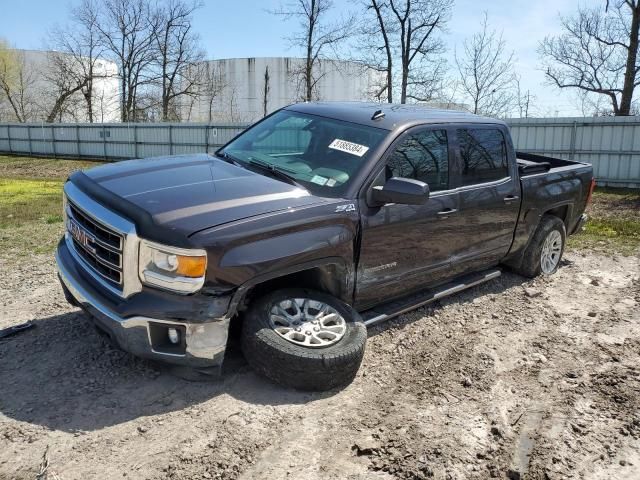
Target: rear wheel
[(544, 252), (304, 339)]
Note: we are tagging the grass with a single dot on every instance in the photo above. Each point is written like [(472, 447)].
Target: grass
[(31, 210), (31, 203), (614, 222)]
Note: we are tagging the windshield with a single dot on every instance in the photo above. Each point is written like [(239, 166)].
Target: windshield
[(319, 153)]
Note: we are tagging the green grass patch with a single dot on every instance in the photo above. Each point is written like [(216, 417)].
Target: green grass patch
[(614, 223), (34, 167), (31, 203), (23, 201)]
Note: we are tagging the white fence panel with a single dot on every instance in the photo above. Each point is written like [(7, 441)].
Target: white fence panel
[(611, 144)]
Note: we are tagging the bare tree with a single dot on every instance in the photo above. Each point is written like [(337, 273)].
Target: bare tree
[(65, 77), (316, 36), (178, 53), (72, 65), (597, 53), (211, 87), (17, 83), (128, 32), (486, 72), (524, 99), (266, 89), (80, 48), (403, 36)]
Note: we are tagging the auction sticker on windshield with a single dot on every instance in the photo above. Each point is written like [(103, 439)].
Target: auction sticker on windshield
[(349, 147)]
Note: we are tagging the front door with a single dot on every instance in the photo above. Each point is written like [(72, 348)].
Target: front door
[(407, 247)]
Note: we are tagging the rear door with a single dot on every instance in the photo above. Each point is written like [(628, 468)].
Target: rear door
[(407, 247), (489, 196)]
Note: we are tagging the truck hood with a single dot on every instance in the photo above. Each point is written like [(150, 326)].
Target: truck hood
[(189, 193)]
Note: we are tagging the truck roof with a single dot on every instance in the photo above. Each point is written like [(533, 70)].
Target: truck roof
[(396, 116)]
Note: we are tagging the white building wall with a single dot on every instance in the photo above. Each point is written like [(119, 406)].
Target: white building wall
[(241, 99), (41, 91)]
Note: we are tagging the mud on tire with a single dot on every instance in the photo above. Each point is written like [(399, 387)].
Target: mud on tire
[(531, 261), (297, 366)]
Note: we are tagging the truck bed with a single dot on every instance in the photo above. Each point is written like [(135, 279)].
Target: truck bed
[(532, 164)]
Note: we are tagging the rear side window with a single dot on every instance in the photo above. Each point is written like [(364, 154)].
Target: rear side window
[(484, 155), (422, 156)]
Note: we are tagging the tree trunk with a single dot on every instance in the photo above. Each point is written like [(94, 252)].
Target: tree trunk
[(265, 98), (123, 101), (630, 72), (19, 118), (387, 48), (308, 70), (389, 83), (88, 98), (405, 79), (57, 106)]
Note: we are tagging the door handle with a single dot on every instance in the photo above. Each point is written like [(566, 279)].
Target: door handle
[(447, 211), (511, 198)]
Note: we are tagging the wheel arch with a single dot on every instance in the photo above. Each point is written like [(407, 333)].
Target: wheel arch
[(331, 275)]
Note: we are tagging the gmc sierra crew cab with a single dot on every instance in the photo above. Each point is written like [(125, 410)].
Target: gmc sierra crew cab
[(314, 223)]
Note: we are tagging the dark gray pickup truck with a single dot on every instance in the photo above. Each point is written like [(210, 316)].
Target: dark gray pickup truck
[(317, 221)]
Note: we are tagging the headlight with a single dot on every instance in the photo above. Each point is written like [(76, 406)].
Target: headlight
[(170, 268)]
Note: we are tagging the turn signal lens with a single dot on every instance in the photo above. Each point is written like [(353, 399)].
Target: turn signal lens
[(191, 266)]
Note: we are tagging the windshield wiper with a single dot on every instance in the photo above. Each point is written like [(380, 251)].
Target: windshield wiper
[(229, 159), (276, 171)]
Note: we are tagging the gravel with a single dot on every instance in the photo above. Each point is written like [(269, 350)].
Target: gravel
[(515, 378)]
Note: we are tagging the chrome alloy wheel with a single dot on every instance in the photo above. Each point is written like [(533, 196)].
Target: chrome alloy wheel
[(551, 251), (307, 322)]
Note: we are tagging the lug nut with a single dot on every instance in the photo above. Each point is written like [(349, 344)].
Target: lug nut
[(307, 332), (297, 329), (316, 329)]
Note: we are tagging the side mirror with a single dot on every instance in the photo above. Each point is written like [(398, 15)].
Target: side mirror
[(405, 191)]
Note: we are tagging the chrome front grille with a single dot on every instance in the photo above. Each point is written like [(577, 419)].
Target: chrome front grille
[(101, 249), (103, 243)]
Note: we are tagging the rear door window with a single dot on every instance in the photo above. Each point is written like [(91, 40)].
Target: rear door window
[(484, 155)]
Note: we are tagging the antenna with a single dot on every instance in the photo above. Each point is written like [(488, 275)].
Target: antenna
[(378, 114)]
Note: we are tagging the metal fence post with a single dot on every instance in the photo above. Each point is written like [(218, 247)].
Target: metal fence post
[(206, 138), (135, 140), (170, 139), (572, 145), (29, 137), (53, 141), (9, 138), (104, 143), (78, 140)]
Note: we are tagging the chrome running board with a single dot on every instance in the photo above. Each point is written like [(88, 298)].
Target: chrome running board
[(389, 310)]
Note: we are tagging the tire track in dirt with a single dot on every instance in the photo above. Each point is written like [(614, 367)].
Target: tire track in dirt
[(449, 391)]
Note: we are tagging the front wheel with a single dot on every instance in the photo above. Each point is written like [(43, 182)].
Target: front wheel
[(543, 254), (303, 339)]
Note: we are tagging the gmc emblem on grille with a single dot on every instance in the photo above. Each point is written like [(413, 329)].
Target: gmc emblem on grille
[(81, 236)]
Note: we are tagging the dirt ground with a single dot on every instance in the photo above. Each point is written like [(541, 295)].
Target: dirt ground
[(512, 379)]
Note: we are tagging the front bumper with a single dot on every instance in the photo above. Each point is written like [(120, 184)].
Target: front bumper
[(202, 342)]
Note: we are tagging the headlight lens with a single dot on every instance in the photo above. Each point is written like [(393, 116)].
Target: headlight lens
[(171, 268)]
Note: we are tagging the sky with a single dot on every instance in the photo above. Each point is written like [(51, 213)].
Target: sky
[(245, 28)]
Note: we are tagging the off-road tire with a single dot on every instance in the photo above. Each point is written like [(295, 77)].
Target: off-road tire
[(297, 366), (531, 260)]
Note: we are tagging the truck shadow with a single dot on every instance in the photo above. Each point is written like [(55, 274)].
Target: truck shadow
[(63, 375), (496, 286)]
